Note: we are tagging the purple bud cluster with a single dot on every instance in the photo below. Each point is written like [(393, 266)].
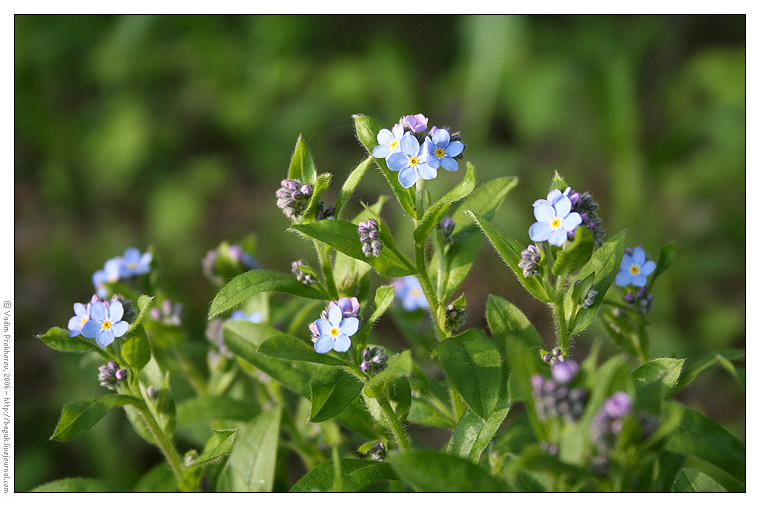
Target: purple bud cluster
[(302, 277), (455, 317), (446, 226), (549, 448), (377, 452), (110, 375), (608, 421), (169, 313), (585, 205), (531, 256), (554, 398), (553, 356), (293, 197), (373, 360), (641, 300), (324, 213), (590, 296), (369, 235)]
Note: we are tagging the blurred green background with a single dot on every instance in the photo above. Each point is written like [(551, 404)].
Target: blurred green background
[(175, 131)]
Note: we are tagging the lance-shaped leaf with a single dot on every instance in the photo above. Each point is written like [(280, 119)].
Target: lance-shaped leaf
[(356, 476), (80, 485), (473, 434), (257, 281), (697, 368), (301, 164), (507, 322), (136, 350), (323, 181), (219, 445), (58, 339), (437, 211), (332, 390), (350, 185), (433, 471), (398, 366), (667, 256), (210, 408), (575, 253), (691, 480), (143, 305), (293, 349), (80, 416)]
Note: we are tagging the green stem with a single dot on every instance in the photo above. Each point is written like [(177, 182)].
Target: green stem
[(324, 261), (395, 425), (563, 337), (163, 442), (195, 378)]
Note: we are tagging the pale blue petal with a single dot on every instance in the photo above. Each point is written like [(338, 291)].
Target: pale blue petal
[(648, 268), (99, 312), (572, 221), (539, 231), (563, 206), (639, 256), (131, 254), (407, 177), (238, 315), (146, 259), (398, 131), (104, 337), (639, 280), (397, 161), (433, 161), (538, 202), (454, 148), (91, 328), (74, 332), (554, 195), (410, 146), (75, 324), (80, 310), (323, 327), (324, 344), (334, 315), (120, 328), (349, 326), (544, 212), (115, 311), (441, 137), (558, 237), (385, 137), (381, 151), (99, 277), (426, 172), (409, 303), (342, 343), (623, 279), (627, 263), (449, 164), (255, 318)]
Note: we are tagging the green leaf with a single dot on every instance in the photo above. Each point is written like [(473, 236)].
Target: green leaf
[(350, 185), (506, 322), (691, 480), (700, 436), (219, 445), (332, 390), (695, 369), (80, 416), (667, 256), (136, 350), (472, 434), (424, 411), (356, 475), (604, 264), (79, 485), (323, 181), (558, 183), (58, 339), (212, 408), (398, 366), (159, 479), (293, 349), (143, 305), (344, 237), (383, 298), (257, 281), (251, 464), (301, 164), (433, 471), (437, 211), (580, 291), (510, 252), (366, 131), (663, 371), (400, 397), (575, 253), (472, 363)]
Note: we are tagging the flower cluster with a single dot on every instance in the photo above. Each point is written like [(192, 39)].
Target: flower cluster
[(407, 150), (608, 421), (169, 313), (105, 322), (554, 398), (110, 375), (455, 317), (293, 197), (373, 360), (635, 268), (409, 290), (641, 300), (585, 205), (338, 323), (132, 263), (377, 452), (304, 278), (554, 218), (369, 235), (227, 261), (531, 257)]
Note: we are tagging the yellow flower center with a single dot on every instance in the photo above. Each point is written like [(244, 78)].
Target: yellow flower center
[(414, 161), (132, 265), (334, 332), (415, 293), (84, 319), (439, 153), (113, 278), (106, 324), (634, 269), (556, 223), (394, 144)]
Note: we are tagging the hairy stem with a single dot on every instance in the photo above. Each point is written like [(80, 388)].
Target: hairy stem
[(163, 442), (395, 425), (324, 261)]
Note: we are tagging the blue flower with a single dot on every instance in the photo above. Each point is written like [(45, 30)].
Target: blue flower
[(334, 332), (390, 142), (634, 269), (409, 291), (410, 162), (553, 220), (81, 316), (415, 122), (110, 273), (241, 315), (134, 263), (105, 323), (441, 150)]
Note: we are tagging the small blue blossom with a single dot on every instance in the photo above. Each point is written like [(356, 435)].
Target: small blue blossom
[(411, 162), (80, 318), (334, 332), (105, 323), (441, 150), (135, 263), (241, 315), (554, 220), (409, 291), (634, 269), (110, 273), (390, 142)]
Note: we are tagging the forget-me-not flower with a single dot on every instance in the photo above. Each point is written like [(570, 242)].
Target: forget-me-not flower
[(409, 291), (335, 331), (241, 315), (553, 220), (634, 269), (441, 150), (134, 263), (417, 123), (110, 273), (390, 142), (411, 162), (80, 318), (105, 323)]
